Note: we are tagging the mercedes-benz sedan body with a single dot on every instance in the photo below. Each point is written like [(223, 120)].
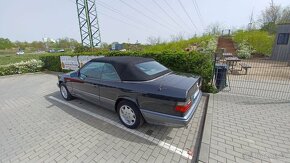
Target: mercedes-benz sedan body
[(138, 89)]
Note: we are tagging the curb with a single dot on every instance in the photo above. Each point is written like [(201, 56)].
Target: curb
[(199, 142)]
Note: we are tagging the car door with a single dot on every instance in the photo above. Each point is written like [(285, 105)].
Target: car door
[(109, 86), (87, 84)]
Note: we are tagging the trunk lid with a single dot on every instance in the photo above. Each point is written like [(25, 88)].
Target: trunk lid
[(185, 86)]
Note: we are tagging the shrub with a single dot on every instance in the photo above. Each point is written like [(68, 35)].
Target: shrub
[(210, 46), (193, 62), (244, 50), (81, 48), (21, 67), (260, 41), (180, 45), (9, 59)]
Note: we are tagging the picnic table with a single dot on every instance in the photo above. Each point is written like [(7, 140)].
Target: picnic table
[(232, 61), (225, 55)]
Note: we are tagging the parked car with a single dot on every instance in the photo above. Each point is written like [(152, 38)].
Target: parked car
[(61, 50), (138, 89), (19, 52)]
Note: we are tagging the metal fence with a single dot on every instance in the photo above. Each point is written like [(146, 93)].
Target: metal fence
[(262, 77)]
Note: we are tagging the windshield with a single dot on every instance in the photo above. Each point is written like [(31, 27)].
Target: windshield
[(151, 68)]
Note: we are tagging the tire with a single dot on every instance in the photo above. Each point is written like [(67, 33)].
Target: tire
[(64, 92), (129, 114)]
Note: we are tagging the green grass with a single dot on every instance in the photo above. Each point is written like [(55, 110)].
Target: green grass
[(179, 45), (260, 41), (8, 59)]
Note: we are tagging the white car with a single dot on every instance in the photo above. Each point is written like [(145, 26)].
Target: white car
[(20, 52)]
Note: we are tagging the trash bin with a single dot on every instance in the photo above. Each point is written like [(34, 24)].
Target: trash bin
[(221, 76)]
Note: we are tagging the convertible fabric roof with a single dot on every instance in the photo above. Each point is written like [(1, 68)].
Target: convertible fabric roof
[(126, 69)]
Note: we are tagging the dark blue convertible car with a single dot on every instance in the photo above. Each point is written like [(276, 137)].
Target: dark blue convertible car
[(138, 89)]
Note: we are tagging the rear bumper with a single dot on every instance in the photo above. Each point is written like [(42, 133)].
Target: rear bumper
[(169, 120)]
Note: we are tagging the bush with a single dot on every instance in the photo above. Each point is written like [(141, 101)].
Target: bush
[(203, 42), (21, 67), (9, 59), (210, 46), (260, 41), (193, 62), (81, 48), (244, 50)]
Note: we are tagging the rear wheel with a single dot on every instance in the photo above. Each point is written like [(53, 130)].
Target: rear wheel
[(65, 93), (129, 114)]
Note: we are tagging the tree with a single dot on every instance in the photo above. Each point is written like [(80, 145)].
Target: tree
[(21, 45), (5, 43), (270, 27), (214, 29), (273, 15), (285, 17), (177, 37), (154, 40), (67, 43), (80, 49), (38, 45), (105, 46)]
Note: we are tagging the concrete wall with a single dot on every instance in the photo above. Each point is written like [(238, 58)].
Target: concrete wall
[(281, 52)]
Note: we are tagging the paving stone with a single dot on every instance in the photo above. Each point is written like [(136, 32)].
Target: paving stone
[(245, 126), (35, 128)]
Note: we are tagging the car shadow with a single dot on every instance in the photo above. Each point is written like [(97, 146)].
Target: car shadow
[(158, 132)]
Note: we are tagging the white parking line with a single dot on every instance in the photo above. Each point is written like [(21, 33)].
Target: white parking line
[(135, 132)]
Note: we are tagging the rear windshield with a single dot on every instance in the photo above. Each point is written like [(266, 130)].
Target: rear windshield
[(151, 68)]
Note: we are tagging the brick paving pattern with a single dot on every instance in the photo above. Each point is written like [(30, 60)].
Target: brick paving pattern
[(246, 129), (34, 128)]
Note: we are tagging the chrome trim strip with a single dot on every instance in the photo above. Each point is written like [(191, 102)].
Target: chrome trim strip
[(96, 96), (90, 94), (111, 101)]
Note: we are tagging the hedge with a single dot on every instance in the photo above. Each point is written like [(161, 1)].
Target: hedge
[(193, 62), (21, 67)]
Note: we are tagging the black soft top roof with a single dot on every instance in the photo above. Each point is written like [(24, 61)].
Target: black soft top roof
[(126, 69)]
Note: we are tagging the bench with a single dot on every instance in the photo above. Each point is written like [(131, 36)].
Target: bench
[(245, 66)]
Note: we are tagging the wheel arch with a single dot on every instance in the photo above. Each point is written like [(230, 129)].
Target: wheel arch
[(127, 99)]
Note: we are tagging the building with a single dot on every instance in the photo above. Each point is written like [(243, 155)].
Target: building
[(117, 46), (281, 49)]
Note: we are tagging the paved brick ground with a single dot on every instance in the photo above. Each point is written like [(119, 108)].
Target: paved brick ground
[(34, 128), (246, 129)]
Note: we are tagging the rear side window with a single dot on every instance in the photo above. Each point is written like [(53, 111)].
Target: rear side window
[(151, 68), (109, 73)]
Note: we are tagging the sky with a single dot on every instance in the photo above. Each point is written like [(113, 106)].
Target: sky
[(32, 20)]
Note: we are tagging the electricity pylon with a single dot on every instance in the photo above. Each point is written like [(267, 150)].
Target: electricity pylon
[(88, 23)]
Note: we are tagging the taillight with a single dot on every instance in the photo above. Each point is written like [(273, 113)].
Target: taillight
[(183, 106)]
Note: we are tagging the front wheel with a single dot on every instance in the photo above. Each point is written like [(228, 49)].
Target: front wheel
[(65, 93), (129, 114)]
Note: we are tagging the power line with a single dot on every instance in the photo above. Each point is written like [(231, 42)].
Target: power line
[(136, 10), (187, 15), (123, 15), (120, 13), (198, 12), (178, 16), (146, 8), (164, 11), (123, 21)]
